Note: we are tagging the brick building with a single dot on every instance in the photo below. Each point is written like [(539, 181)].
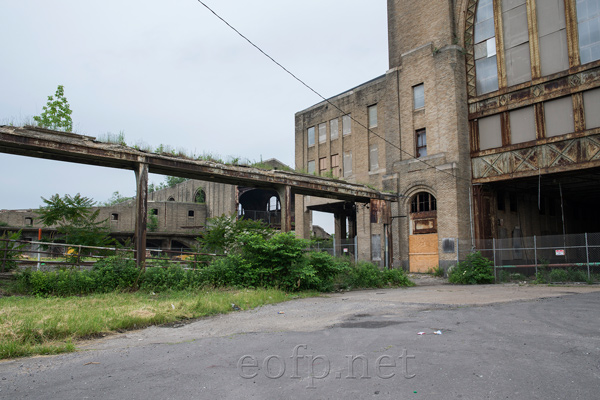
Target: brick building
[(486, 125)]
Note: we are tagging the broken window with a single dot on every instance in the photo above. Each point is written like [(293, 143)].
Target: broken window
[(114, 217), (154, 211), (372, 114), (423, 202), (516, 41), (588, 20), (322, 133), (419, 96), (346, 125), (200, 197), (311, 136), (421, 140), (486, 69), (333, 128)]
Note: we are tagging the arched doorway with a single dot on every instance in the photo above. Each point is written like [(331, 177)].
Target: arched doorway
[(423, 237)]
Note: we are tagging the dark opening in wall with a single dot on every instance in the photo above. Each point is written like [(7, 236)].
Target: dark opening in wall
[(154, 211), (114, 217), (190, 213)]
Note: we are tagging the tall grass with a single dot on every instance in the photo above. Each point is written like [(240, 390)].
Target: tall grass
[(33, 325)]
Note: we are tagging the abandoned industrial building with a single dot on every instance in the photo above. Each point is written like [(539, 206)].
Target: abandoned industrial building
[(487, 125)]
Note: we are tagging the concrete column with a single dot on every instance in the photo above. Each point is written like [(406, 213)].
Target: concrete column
[(285, 197), (141, 216)]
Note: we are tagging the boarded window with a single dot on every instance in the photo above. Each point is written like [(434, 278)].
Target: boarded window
[(322, 165), (490, 132), (486, 69), (419, 96), (335, 164), (333, 128), (516, 41), (588, 20), (522, 125), (372, 113), (448, 245), (346, 125), (559, 116), (376, 247), (373, 157), (311, 167), (591, 99), (554, 54), (322, 133), (311, 136), (347, 163)]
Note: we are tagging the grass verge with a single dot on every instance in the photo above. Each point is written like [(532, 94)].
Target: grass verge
[(40, 326)]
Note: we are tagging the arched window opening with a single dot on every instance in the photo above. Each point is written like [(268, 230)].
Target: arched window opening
[(423, 202), (274, 204), (200, 197), (171, 199)]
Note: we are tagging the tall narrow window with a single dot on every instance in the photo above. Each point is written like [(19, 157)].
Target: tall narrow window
[(322, 165), (311, 167), (322, 133), (346, 125), (372, 111), (421, 140), (588, 19), (552, 31), (333, 128), (335, 164), (419, 96), (376, 247), (516, 42), (311, 136), (486, 69), (347, 163), (373, 157)]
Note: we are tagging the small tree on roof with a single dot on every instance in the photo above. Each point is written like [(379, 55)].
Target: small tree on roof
[(57, 113)]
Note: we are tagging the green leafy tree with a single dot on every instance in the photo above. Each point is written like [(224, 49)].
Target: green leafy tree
[(57, 113), (75, 220)]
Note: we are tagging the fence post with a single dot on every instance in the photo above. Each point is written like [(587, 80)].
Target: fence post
[(494, 252), (535, 254), (356, 249), (587, 255), (5, 255), (79, 258)]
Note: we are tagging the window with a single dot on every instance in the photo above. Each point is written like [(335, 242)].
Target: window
[(419, 96), (516, 41), (335, 164), (486, 69), (421, 137), (588, 19), (373, 157), (346, 125), (28, 221), (154, 211), (311, 136), (372, 113), (591, 99), (490, 132), (200, 197), (347, 163), (114, 217), (376, 247), (423, 202), (311, 167), (274, 204), (171, 198), (322, 165), (559, 116), (333, 128), (552, 31), (191, 213), (322, 133), (522, 125)]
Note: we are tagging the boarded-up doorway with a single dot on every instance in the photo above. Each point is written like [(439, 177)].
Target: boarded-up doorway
[(423, 239)]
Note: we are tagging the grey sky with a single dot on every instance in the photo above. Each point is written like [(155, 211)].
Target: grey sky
[(170, 72)]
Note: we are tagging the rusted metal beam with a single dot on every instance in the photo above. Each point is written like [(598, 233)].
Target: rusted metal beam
[(42, 143)]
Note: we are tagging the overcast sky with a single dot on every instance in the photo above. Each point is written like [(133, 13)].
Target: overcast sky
[(169, 72)]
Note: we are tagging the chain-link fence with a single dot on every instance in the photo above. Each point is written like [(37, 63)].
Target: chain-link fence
[(347, 247), (549, 258)]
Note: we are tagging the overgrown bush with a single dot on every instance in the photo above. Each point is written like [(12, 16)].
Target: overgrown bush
[(10, 250), (367, 275), (476, 269), (547, 275)]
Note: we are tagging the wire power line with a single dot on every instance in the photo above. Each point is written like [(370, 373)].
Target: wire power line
[(326, 99)]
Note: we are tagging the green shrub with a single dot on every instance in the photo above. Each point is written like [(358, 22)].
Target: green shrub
[(476, 269), (10, 250)]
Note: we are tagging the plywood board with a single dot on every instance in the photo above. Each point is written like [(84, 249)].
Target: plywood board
[(423, 252)]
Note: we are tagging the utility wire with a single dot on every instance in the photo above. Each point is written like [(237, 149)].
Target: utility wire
[(325, 99)]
